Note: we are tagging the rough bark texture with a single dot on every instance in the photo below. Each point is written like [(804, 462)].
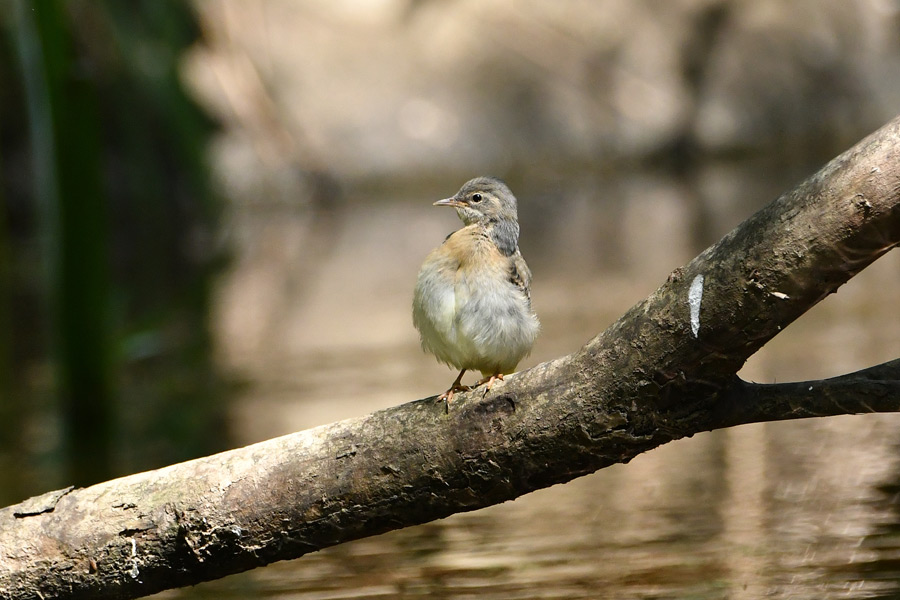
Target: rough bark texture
[(665, 370)]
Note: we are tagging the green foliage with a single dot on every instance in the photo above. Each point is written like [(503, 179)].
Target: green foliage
[(120, 200)]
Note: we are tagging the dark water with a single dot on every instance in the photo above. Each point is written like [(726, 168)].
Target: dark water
[(315, 317)]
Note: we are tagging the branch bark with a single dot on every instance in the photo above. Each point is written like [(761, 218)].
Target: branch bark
[(665, 370)]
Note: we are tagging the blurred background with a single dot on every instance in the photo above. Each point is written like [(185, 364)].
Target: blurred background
[(212, 215)]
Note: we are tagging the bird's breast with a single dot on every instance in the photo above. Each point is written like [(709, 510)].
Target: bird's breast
[(468, 312)]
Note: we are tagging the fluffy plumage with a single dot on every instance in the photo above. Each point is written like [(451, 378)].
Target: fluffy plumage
[(472, 301)]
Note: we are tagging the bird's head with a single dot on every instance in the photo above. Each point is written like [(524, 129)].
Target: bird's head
[(483, 200)]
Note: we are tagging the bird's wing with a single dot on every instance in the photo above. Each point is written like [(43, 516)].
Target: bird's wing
[(520, 274)]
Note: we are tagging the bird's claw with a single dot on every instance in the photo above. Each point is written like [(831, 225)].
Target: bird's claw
[(447, 396), (489, 381)]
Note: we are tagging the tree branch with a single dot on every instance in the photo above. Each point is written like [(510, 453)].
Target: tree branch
[(665, 370), (872, 390)]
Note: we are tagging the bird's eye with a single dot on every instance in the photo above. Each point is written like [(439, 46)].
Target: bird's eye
[(476, 197)]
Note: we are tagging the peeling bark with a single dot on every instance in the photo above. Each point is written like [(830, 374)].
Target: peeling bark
[(665, 370)]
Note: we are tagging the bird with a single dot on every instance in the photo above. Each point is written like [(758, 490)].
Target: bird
[(472, 299)]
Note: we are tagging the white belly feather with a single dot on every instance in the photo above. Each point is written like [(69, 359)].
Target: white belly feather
[(479, 321)]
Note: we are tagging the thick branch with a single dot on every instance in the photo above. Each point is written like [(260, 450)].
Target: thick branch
[(665, 370)]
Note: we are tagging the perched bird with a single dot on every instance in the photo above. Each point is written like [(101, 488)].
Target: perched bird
[(472, 302)]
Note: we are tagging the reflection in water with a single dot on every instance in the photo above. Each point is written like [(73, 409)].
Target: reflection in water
[(319, 326)]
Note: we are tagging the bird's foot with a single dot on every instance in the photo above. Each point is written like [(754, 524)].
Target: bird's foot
[(456, 386), (489, 381), (447, 396)]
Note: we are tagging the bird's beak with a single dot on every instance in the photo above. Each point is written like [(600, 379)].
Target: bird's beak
[(450, 202)]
